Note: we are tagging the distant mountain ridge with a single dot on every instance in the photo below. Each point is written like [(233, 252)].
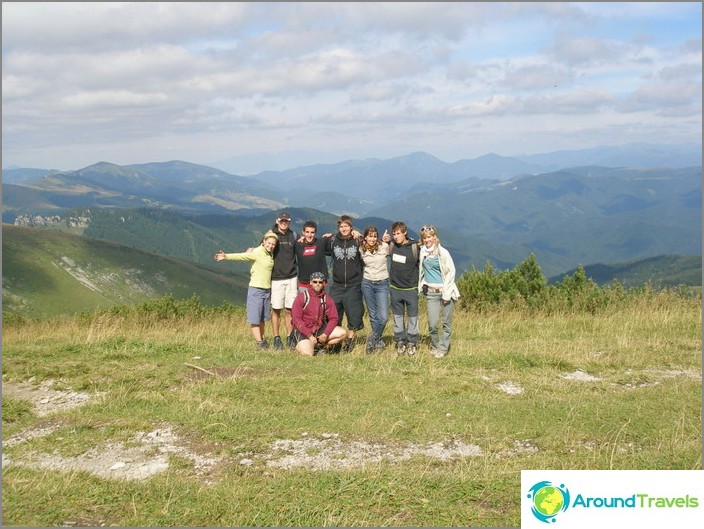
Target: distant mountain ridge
[(175, 185), (662, 271), (573, 215), (628, 155), (634, 155)]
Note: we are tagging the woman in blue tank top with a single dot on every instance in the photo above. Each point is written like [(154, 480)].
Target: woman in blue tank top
[(436, 280)]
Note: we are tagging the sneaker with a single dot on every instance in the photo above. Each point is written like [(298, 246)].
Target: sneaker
[(291, 341), (400, 348), (262, 344), (411, 349), (278, 344), (437, 354), (371, 342)]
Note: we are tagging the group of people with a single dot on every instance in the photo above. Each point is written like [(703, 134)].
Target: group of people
[(289, 285)]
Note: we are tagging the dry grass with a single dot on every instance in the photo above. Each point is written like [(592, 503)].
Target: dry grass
[(615, 390)]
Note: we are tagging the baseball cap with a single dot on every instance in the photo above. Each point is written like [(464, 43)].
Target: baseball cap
[(283, 216)]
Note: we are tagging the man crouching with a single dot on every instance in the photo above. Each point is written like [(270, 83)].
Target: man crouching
[(315, 319)]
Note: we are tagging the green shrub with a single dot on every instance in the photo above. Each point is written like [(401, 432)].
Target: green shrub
[(166, 308), (525, 287)]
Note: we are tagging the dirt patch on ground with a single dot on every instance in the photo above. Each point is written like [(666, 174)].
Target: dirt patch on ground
[(330, 452), (145, 455), (149, 453), (45, 398)]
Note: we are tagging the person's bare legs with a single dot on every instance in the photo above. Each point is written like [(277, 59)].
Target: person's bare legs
[(276, 321), (258, 331), (306, 347), (288, 320)]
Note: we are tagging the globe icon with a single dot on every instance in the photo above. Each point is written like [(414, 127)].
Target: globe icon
[(548, 500)]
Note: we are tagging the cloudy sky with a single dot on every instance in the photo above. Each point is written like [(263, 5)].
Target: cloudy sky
[(253, 86)]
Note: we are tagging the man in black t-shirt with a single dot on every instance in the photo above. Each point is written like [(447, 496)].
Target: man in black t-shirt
[(310, 255), (403, 279), (284, 279)]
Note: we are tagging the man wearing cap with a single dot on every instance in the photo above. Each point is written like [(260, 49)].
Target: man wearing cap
[(284, 279), (315, 319)]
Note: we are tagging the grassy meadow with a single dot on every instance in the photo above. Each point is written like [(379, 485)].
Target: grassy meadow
[(617, 389)]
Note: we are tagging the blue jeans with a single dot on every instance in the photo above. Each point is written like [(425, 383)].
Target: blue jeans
[(376, 296)]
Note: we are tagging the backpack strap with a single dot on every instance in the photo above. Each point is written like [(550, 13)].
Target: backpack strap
[(323, 303)]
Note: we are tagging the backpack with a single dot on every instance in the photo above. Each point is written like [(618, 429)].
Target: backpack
[(306, 295)]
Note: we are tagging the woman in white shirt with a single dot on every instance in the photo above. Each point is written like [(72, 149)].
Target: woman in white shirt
[(437, 282), (375, 286)]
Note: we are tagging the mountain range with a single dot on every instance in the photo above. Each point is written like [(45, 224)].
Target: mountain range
[(47, 273), (492, 208)]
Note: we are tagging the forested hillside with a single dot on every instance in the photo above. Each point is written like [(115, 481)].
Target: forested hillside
[(46, 273)]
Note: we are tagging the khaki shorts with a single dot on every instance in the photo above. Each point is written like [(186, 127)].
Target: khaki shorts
[(283, 292)]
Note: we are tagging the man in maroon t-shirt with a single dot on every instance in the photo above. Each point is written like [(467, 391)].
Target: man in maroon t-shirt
[(310, 255)]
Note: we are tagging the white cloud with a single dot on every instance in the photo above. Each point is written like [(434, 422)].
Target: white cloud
[(140, 81)]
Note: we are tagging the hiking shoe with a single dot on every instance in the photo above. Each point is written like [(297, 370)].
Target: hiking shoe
[(291, 341), (400, 348), (278, 344), (411, 349), (437, 354), (379, 345), (371, 342), (262, 344), (349, 345)]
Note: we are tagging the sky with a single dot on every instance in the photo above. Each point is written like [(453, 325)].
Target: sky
[(248, 86)]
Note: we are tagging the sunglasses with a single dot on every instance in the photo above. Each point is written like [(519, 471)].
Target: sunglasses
[(427, 229), (316, 281)]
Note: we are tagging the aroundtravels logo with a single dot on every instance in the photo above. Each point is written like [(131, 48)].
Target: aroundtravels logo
[(612, 498), (548, 500)]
